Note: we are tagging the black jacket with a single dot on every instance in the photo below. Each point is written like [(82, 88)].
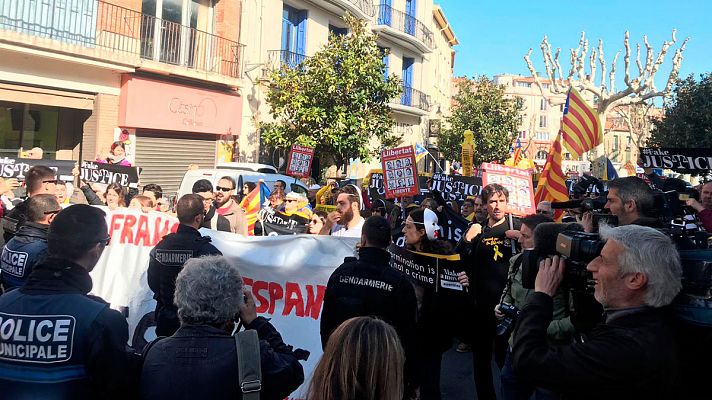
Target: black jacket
[(13, 221), (632, 355), (369, 286), (166, 261), (22, 253), (220, 224), (200, 362), (82, 354)]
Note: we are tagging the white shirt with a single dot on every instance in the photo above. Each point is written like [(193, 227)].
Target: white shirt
[(341, 230)]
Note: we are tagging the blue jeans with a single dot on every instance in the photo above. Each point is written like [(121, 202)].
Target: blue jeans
[(515, 388)]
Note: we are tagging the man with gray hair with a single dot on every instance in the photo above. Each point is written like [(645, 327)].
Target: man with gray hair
[(200, 359), (632, 354)]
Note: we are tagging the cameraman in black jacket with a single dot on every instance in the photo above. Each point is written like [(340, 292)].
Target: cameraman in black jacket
[(630, 355), (200, 360)]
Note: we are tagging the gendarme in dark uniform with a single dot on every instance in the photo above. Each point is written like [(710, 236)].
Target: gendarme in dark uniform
[(368, 286), (166, 261)]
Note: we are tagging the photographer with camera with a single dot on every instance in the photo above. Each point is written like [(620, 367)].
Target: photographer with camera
[(200, 360), (632, 354), (515, 297), (631, 200), (704, 206)]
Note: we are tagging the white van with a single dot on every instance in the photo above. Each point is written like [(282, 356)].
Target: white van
[(240, 176)]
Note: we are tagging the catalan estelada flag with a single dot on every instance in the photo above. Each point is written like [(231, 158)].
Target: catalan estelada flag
[(420, 151), (517, 155), (252, 203), (580, 127), (552, 183)]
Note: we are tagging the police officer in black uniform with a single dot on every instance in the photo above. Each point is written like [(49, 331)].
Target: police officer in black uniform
[(58, 342), (38, 180), (168, 257), (368, 286), (29, 246)]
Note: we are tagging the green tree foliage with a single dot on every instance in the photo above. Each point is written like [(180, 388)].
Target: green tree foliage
[(687, 122), (335, 101), (481, 107)]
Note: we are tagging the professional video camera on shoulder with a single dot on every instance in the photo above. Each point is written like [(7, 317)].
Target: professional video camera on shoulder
[(568, 240), (583, 203)]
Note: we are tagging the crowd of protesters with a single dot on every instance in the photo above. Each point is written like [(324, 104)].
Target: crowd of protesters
[(383, 334)]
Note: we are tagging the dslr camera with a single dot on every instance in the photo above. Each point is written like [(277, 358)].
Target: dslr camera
[(511, 313)]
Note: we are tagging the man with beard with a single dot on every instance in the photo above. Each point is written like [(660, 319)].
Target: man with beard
[(704, 206), (348, 213), (228, 207), (212, 220), (486, 251)]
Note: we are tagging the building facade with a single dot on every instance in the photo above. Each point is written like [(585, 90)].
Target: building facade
[(162, 76), (279, 32), (539, 121)]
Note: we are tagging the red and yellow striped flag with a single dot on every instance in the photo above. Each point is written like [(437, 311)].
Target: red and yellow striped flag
[(252, 203), (580, 127), (552, 184)]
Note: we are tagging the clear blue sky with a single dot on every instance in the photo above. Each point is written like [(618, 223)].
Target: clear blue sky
[(495, 35)]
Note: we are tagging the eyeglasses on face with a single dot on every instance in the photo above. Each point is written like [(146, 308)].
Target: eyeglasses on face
[(223, 189), (105, 241)]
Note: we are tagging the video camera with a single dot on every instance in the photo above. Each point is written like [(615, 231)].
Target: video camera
[(568, 240)]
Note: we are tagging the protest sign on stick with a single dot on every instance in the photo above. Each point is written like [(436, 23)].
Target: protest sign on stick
[(399, 172), (300, 159), (518, 183)]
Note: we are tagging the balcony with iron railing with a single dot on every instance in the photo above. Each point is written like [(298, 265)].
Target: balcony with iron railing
[(276, 59), (404, 28), (412, 101), (361, 8), (105, 31)]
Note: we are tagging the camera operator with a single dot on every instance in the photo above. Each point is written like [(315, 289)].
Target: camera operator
[(200, 359), (631, 200), (632, 354), (515, 297), (704, 206)]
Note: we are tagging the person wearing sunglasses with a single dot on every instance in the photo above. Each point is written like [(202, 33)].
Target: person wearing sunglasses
[(29, 246), (38, 180), (228, 207), (319, 224), (71, 344)]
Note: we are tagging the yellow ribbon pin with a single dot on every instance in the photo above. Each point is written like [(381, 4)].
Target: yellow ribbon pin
[(497, 253)]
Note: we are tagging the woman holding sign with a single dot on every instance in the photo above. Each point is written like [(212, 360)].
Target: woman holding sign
[(421, 232)]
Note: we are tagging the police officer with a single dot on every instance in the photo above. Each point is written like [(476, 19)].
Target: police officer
[(38, 180), (29, 246), (168, 257), (369, 286), (57, 341)]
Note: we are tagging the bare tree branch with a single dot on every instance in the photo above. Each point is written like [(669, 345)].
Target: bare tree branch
[(612, 77), (626, 58), (637, 59), (602, 61)]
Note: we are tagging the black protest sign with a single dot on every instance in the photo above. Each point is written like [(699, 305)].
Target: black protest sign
[(278, 223), (18, 167), (109, 173), (456, 187), (680, 160), (452, 187), (431, 271)]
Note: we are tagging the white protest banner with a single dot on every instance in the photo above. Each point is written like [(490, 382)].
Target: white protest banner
[(286, 274)]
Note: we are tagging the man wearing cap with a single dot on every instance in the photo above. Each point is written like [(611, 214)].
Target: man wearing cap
[(311, 194)]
